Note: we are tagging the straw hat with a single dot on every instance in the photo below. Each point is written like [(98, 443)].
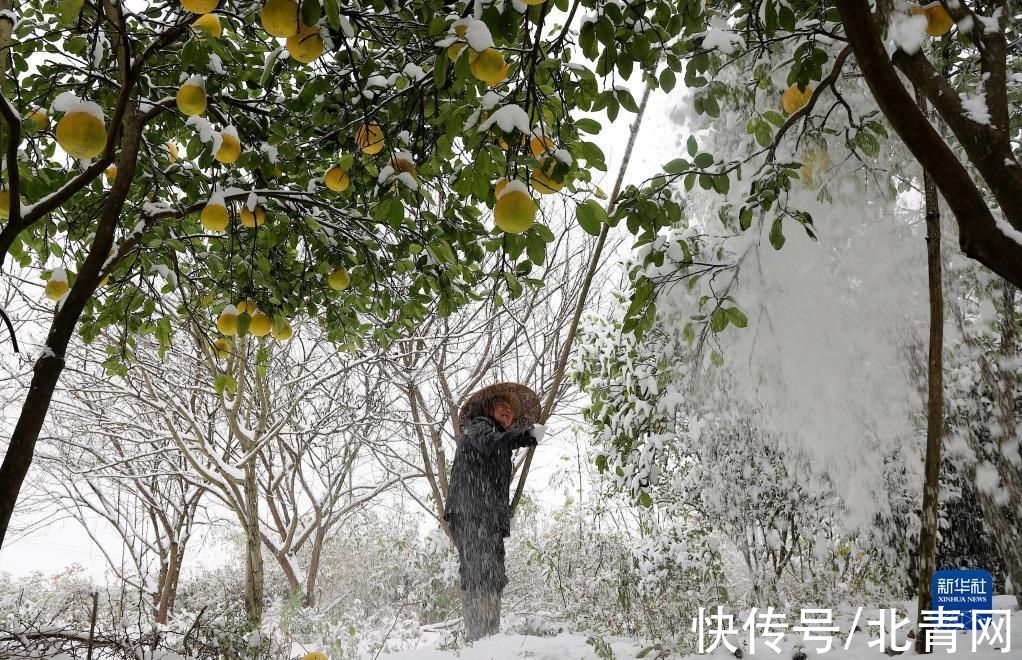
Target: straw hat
[(523, 400)]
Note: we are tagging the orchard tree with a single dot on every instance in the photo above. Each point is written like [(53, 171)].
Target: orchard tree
[(443, 361), (104, 463), (322, 160), (790, 74)]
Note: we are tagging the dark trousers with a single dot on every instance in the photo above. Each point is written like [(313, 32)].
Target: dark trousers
[(483, 575)]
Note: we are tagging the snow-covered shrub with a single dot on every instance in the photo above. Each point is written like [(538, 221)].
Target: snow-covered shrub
[(51, 617)]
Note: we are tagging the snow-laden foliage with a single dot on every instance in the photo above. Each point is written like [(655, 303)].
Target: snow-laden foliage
[(764, 392)]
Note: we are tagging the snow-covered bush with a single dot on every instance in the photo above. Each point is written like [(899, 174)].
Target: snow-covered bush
[(52, 617)]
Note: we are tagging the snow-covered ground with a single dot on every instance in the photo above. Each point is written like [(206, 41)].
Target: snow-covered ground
[(570, 646), (559, 647)]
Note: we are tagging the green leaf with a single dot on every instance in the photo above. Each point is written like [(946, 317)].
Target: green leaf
[(710, 105), (774, 117), (311, 12), (737, 317), (586, 125), (676, 166), (693, 147), (745, 218), (770, 18), (703, 160), (605, 31), (627, 100), (223, 383), (591, 216), (718, 320), (439, 70), (667, 80), (333, 14), (69, 11), (688, 334), (441, 251), (777, 234)]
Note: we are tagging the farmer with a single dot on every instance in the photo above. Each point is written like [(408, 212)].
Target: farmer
[(493, 422)]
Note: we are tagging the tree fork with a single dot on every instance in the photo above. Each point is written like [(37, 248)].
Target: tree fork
[(979, 236)]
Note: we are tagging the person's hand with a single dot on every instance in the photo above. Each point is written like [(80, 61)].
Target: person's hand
[(537, 432)]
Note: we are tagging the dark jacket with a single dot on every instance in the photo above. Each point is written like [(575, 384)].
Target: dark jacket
[(481, 475)]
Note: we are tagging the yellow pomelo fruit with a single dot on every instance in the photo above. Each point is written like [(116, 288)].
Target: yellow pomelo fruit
[(305, 45), (230, 149), (336, 179), (281, 330), (487, 65), (539, 145), (280, 17), (514, 212), (402, 165), (338, 279), (250, 219), (208, 23), (172, 153), (227, 324), (55, 289), (260, 325), (793, 99), (111, 172), (500, 77), (191, 100), (214, 217), (542, 178), (222, 347), (200, 6), (499, 186), (938, 21), (369, 138), (247, 307), (460, 30), (36, 121), (454, 50), (81, 135)]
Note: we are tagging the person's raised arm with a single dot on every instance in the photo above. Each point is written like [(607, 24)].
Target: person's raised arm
[(486, 438)]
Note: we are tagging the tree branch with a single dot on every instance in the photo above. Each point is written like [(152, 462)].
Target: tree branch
[(979, 235)]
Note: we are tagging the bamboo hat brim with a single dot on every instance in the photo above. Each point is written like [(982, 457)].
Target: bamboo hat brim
[(523, 400)]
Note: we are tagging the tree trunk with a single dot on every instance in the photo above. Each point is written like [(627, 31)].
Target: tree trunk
[(310, 579), (934, 403), (50, 364), (253, 549), (168, 583)]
